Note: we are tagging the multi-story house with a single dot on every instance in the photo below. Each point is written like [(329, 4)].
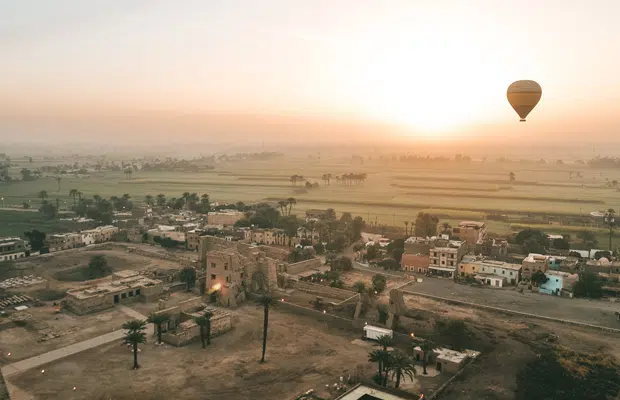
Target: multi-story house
[(532, 263), (193, 238), (480, 266), (471, 232), (492, 247), (99, 234), (445, 256), (12, 248), (64, 241)]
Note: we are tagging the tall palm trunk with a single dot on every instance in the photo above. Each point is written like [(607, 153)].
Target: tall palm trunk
[(159, 333), (265, 325), (385, 377), (208, 332), (424, 362), (135, 356), (202, 336), (398, 375)]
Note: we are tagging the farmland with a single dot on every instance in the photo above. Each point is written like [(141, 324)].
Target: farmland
[(390, 194)]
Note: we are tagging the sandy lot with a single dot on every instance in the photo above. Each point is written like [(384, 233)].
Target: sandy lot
[(597, 312), (24, 342), (301, 354)]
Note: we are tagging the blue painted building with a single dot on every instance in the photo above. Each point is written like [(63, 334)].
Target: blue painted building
[(554, 284)]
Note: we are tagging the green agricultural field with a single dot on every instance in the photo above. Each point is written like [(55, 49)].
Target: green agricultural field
[(391, 194)]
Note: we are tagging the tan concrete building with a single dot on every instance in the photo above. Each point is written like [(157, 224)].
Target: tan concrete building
[(193, 238), (272, 237), (474, 266), (445, 256), (12, 248), (443, 360), (106, 295), (471, 231), (532, 263), (181, 327), (225, 217), (64, 241), (99, 234)]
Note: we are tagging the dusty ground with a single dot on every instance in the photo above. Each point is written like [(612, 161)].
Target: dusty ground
[(597, 312), (301, 354), (505, 342), (48, 266), (350, 277), (24, 342)]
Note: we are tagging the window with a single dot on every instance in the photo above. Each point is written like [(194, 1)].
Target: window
[(213, 276), (213, 265), (131, 294), (494, 270), (225, 266), (137, 292), (557, 280), (461, 267), (124, 295), (228, 279)]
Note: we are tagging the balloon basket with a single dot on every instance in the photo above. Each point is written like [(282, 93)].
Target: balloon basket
[(522, 120)]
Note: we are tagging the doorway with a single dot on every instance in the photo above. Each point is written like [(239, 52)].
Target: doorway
[(115, 299), (439, 367)]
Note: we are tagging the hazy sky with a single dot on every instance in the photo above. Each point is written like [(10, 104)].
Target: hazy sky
[(438, 68)]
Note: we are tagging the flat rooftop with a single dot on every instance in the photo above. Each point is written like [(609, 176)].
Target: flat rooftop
[(362, 392), (466, 224), (114, 287)]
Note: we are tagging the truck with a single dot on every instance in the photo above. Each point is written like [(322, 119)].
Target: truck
[(373, 332)]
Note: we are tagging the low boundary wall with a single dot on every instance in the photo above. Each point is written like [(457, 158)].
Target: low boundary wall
[(321, 290), (511, 312)]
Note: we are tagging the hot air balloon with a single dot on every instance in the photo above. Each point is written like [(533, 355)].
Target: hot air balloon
[(523, 97)]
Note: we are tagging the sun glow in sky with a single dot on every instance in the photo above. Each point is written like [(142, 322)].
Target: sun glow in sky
[(437, 67)]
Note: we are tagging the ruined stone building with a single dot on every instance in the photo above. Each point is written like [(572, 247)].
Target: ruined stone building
[(105, 295), (181, 327), (230, 268)]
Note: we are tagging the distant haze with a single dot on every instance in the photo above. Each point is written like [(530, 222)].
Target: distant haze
[(280, 72)]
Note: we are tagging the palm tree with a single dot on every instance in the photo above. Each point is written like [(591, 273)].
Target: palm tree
[(406, 228), (282, 204), (58, 178), (185, 196), (158, 320), (291, 201), (385, 341), (400, 364), (427, 347), (97, 198), (447, 229), (329, 178), (294, 180), (161, 199), (43, 195), (610, 220), (148, 199), (380, 357), (207, 316), (134, 336), (511, 176), (73, 193), (79, 195), (266, 302)]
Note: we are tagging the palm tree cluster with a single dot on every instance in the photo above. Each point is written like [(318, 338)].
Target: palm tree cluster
[(326, 179), (135, 334), (351, 179), (297, 178), (393, 363), (286, 205)]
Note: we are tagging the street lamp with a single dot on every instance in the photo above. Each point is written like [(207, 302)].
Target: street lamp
[(3, 202)]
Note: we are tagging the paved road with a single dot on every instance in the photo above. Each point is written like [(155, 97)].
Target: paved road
[(595, 312), (51, 356)]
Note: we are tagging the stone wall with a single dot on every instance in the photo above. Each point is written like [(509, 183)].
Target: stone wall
[(303, 266), (332, 320), (320, 290)]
